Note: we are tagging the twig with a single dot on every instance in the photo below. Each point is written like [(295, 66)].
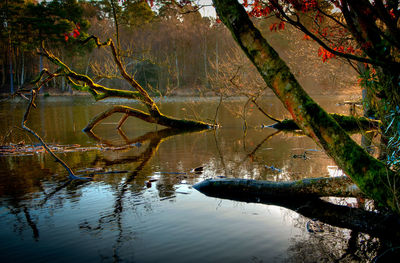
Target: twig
[(266, 114), (45, 146), (217, 110)]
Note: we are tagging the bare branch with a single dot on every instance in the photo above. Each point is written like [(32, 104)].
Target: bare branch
[(301, 27), (264, 112), (45, 146)]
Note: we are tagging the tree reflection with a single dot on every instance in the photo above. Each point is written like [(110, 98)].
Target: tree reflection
[(154, 140), (354, 232), (21, 201), (332, 237)]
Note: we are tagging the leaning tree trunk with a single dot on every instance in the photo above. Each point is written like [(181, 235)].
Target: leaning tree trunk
[(370, 175)]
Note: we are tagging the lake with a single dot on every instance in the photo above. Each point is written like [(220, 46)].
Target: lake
[(147, 209)]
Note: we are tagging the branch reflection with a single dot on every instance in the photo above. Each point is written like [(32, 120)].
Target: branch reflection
[(115, 218)]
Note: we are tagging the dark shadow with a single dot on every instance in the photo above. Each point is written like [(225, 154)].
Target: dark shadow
[(356, 219)]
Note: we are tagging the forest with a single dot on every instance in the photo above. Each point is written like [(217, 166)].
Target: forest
[(172, 49)]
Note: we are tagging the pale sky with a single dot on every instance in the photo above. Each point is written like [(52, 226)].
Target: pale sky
[(207, 10)]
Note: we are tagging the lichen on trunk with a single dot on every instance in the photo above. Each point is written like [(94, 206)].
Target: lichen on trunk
[(370, 175)]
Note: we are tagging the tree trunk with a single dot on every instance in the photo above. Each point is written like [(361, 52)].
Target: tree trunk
[(40, 69), (306, 188), (216, 56), (62, 85), (301, 197), (177, 68), (22, 68), (348, 123), (205, 59), (3, 72), (370, 175), (11, 68)]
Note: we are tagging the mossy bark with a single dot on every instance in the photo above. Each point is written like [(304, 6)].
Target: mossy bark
[(370, 175), (160, 119), (348, 123), (311, 187)]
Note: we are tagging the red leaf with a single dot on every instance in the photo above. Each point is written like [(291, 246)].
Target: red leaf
[(320, 51), (281, 25), (391, 12), (75, 33), (350, 49)]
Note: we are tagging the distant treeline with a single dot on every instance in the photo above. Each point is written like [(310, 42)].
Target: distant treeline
[(171, 49)]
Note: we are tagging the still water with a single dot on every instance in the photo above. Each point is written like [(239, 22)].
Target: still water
[(147, 211)]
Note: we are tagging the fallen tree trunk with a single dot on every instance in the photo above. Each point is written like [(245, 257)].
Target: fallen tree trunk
[(310, 187), (84, 83), (162, 119), (290, 196), (347, 122)]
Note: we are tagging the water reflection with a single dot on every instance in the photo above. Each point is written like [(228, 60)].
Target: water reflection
[(149, 212), (335, 232)]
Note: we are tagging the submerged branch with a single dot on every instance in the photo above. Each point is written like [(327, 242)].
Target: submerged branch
[(264, 112), (45, 146)]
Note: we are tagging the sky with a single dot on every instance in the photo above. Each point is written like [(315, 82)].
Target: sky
[(207, 10)]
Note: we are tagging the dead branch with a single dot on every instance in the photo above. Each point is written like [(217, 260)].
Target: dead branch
[(263, 111), (83, 83), (45, 146)]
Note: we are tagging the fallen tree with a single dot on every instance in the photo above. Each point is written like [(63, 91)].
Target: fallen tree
[(83, 83), (305, 188), (347, 122), (303, 197)]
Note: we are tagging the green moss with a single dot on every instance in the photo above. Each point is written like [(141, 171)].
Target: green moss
[(348, 123)]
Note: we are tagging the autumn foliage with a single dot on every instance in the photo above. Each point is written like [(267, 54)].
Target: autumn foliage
[(325, 22), (74, 33)]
